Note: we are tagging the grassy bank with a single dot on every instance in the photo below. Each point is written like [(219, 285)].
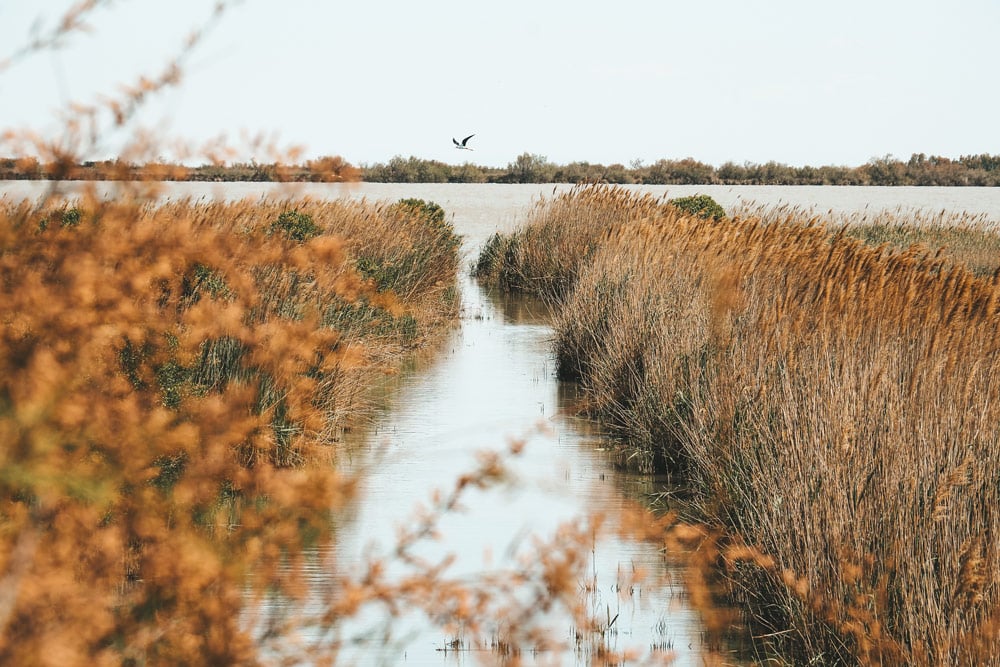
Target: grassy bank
[(831, 401), (174, 380)]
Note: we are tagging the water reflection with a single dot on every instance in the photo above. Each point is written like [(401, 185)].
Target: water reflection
[(493, 380)]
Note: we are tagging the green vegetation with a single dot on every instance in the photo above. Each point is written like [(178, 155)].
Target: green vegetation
[(296, 226), (920, 169), (831, 403), (700, 205), (331, 169), (66, 217), (982, 170)]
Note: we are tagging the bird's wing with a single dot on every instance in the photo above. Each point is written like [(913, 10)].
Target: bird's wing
[(455, 141), (466, 139)]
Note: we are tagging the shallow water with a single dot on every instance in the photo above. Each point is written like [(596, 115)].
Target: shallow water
[(493, 380)]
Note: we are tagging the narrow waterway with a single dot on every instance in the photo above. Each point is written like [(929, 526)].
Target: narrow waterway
[(491, 382), (494, 381)]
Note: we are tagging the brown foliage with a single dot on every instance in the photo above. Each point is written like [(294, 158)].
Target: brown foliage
[(146, 476), (833, 403)]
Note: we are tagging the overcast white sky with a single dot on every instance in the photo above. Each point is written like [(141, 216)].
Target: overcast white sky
[(793, 81)]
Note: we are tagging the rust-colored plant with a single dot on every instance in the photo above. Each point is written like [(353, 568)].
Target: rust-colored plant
[(832, 403), (172, 380)]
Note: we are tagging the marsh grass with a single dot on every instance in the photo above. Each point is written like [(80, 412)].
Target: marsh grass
[(831, 401), (972, 240), (173, 388), (545, 258)]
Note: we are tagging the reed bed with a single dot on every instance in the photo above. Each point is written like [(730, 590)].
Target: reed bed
[(831, 402), (173, 382), (971, 239), (545, 258)]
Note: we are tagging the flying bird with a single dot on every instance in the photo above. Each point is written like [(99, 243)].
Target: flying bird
[(463, 145)]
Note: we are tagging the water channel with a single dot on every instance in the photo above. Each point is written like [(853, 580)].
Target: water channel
[(493, 380)]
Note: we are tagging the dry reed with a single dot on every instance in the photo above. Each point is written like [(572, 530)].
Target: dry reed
[(544, 258), (171, 380), (832, 403)]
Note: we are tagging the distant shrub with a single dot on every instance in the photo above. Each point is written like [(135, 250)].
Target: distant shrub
[(65, 217), (428, 209), (71, 217), (296, 226), (700, 205)]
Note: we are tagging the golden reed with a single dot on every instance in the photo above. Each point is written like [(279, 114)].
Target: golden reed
[(831, 402), (173, 382)]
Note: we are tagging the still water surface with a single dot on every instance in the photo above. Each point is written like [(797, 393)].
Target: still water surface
[(492, 380), (507, 202)]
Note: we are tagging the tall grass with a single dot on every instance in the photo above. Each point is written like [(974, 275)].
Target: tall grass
[(831, 401), (173, 379), (545, 258), (959, 237)]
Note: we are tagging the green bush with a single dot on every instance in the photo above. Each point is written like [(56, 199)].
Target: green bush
[(386, 275), (71, 217), (700, 205), (66, 218), (429, 210), (296, 226)]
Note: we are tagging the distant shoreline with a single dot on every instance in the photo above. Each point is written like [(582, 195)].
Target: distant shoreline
[(920, 170)]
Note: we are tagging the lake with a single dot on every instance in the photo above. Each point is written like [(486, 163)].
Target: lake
[(510, 200), (493, 380)]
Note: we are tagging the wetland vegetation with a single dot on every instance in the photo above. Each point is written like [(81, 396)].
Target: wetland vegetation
[(824, 384), (174, 382)]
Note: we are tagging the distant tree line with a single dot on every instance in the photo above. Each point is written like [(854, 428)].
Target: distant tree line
[(325, 169), (920, 169)]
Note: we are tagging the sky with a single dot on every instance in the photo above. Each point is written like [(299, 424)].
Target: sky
[(797, 82)]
